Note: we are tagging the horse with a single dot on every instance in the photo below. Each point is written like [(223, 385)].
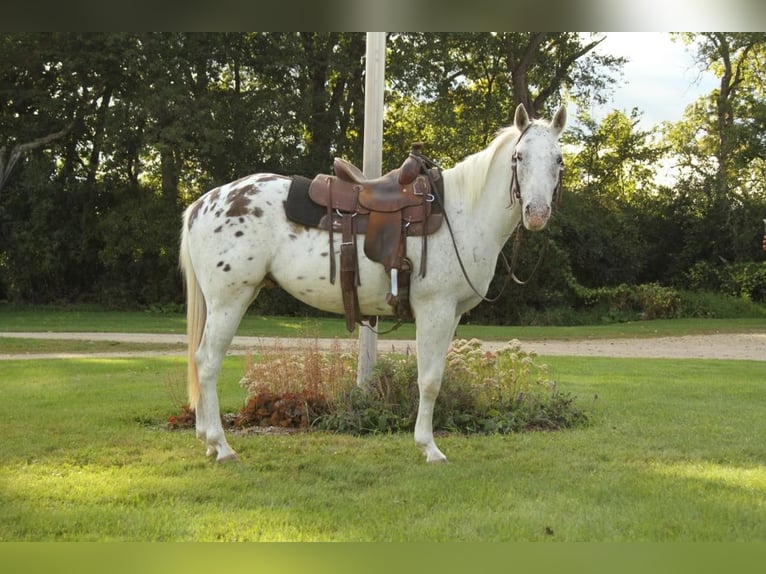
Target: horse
[(236, 239)]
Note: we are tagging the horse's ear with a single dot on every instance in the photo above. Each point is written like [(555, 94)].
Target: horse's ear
[(559, 120), (521, 119)]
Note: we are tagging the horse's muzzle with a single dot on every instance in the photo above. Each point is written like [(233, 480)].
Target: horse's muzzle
[(536, 215)]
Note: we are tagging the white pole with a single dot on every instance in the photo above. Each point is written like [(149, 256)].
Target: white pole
[(375, 76)]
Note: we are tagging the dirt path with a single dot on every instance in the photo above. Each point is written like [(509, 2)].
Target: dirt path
[(744, 346)]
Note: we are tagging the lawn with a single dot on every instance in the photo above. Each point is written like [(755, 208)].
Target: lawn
[(676, 452), (84, 319)]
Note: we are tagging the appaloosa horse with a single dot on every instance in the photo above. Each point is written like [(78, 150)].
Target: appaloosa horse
[(236, 238)]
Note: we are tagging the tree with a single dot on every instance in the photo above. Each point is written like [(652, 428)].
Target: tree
[(144, 123), (332, 66), (610, 183), (50, 82), (455, 90), (719, 146)]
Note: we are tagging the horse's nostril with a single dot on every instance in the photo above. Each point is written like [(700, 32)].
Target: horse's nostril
[(537, 209)]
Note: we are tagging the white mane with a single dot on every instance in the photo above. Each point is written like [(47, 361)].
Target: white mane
[(471, 173)]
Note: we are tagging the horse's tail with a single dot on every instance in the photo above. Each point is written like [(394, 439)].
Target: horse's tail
[(195, 314)]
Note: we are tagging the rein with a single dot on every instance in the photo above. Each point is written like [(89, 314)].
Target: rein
[(515, 195), (515, 257)]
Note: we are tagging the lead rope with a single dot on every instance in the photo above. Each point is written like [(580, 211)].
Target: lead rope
[(399, 323), (515, 256), (510, 273)]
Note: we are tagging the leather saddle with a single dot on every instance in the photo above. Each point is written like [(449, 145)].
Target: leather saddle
[(385, 210)]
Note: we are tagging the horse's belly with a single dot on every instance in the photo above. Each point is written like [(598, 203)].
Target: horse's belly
[(303, 270)]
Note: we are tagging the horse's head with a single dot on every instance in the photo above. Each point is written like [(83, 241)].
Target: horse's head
[(536, 166)]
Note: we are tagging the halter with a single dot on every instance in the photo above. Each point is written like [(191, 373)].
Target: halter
[(515, 193), (515, 189)]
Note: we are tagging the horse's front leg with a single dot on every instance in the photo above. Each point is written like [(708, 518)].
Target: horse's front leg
[(435, 329)]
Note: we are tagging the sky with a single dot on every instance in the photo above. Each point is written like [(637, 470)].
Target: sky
[(660, 79)]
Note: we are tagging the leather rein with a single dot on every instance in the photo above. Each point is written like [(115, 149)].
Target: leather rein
[(515, 195)]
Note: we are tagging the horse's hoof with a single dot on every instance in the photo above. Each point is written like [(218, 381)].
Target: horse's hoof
[(436, 457), (432, 452)]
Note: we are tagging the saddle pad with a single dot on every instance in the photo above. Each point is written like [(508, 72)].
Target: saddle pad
[(299, 208)]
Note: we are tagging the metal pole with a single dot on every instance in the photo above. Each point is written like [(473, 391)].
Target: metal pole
[(375, 76)]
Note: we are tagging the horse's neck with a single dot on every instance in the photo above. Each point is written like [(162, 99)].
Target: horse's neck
[(483, 200)]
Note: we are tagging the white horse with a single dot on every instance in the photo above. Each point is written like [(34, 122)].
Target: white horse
[(236, 239)]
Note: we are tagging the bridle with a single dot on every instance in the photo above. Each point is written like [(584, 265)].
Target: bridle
[(515, 194), (515, 189)]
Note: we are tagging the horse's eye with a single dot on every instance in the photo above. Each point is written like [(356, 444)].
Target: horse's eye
[(560, 161), (518, 156)]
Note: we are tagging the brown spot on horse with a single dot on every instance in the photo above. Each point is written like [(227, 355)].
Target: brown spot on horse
[(238, 201), (195, 211)]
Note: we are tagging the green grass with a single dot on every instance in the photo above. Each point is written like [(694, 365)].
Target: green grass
[(85, 319), (676, 452)]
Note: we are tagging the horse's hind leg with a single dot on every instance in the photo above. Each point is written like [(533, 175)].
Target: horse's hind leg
[(220, 327)]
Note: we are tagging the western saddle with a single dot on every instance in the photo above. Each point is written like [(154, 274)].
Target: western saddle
[(386, 210)]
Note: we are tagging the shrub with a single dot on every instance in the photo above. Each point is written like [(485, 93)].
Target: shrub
[(482, 392), (506, 391), (658, 302), (286, 410), (295, 388), (184, 420), (633, 302), (718, 305), (746, 280)]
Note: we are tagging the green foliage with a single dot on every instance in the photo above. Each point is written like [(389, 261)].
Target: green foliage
[(139, 251), (389, 404), (482, 392), (152, 120), (156, 119), (746, 280), (645, 302), (716, 305), (502, 392)]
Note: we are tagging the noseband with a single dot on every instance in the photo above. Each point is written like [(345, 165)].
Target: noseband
[(515, 193), (515, 189)]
